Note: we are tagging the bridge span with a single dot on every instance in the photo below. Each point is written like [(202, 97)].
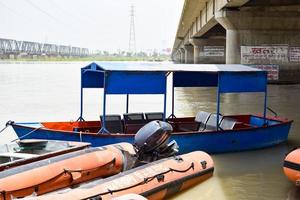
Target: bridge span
[(264, 33), (10, 48)]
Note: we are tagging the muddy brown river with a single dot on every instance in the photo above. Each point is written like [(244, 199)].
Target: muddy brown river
[(51, 92)]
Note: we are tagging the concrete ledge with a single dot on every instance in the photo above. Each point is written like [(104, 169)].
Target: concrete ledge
[(259, 20)]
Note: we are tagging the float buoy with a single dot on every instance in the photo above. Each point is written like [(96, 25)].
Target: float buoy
[(291, 166)]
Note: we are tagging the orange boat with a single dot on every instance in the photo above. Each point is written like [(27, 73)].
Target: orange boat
[(156, 180), (31, 150), (291, 166), (65, 170)]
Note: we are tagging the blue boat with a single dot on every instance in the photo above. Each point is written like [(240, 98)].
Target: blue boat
[(210, 132)]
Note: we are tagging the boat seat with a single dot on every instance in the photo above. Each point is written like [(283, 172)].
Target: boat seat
[(154, 116), (113, 123), (134, 118), (202, 118), (227, 123), (133, 122), (211, 124)]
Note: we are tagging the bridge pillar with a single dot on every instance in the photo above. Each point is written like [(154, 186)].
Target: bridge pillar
[(209, 50), (264, 35), (189, 54), (12, 56), (177, 56), (4, 56), (182, 55), (197, 48)]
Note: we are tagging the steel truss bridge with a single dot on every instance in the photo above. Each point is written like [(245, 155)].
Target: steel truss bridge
[(15, 47)]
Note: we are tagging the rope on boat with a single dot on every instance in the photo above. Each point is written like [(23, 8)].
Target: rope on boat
[(159, 177), (6, 125), (65, 171), (3, 129), (272, 111), (26, 134), (80, 136)]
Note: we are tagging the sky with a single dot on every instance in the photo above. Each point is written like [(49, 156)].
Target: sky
[(94, 24)]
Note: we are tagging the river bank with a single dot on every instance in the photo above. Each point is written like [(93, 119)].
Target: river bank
[(89, 58)]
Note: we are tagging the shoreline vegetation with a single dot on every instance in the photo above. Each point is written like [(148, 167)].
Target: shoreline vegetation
[(88, 58)]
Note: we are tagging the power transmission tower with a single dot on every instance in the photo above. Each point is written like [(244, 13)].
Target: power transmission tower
[(132, 45)]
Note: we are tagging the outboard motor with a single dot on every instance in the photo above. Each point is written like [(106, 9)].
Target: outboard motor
[(151, 142)]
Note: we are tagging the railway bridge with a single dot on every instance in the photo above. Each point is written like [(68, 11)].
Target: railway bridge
[(10, 48)]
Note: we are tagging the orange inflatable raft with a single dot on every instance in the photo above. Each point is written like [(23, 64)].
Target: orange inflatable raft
[(157, 180), (65, 170), (31, 150), (291, 166)]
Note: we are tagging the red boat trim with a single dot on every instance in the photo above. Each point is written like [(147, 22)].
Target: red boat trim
[(291, 165), (281, 122)]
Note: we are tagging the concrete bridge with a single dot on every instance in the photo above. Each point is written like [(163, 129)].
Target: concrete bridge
[(12, 48), (262, 33)]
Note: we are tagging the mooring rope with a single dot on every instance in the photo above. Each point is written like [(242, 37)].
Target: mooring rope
[(6, 125), (20, 138), (159, 176), (3, 129), (272, 111)]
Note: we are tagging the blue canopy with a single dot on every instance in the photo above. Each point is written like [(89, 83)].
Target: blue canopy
[(122, 81), (151, 78), (122, 78)]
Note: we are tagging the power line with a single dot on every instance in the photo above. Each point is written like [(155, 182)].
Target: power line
[(43, 11), (50, 16), (66, 12), (15, 12)]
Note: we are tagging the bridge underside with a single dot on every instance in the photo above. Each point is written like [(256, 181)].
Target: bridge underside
[(262, 33)]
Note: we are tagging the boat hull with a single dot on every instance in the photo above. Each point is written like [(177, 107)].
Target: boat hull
[(65, 170), (156, 180), (39, 152), (211, 142)]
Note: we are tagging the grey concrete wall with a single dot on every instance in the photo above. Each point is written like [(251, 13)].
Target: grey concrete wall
[(263, 37), (209, 51)]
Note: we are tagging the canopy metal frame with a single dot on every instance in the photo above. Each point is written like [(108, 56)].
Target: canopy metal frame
[(256, 82)]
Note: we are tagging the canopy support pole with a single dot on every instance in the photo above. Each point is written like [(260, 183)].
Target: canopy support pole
[(103, 128), (165, 96), (81, 103), (172, 116), (218, 104), (173, 101), (265, 99), (265, 108), (165, 106), (127, 103)]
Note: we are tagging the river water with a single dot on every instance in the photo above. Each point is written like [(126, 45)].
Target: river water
[(51, 92)]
